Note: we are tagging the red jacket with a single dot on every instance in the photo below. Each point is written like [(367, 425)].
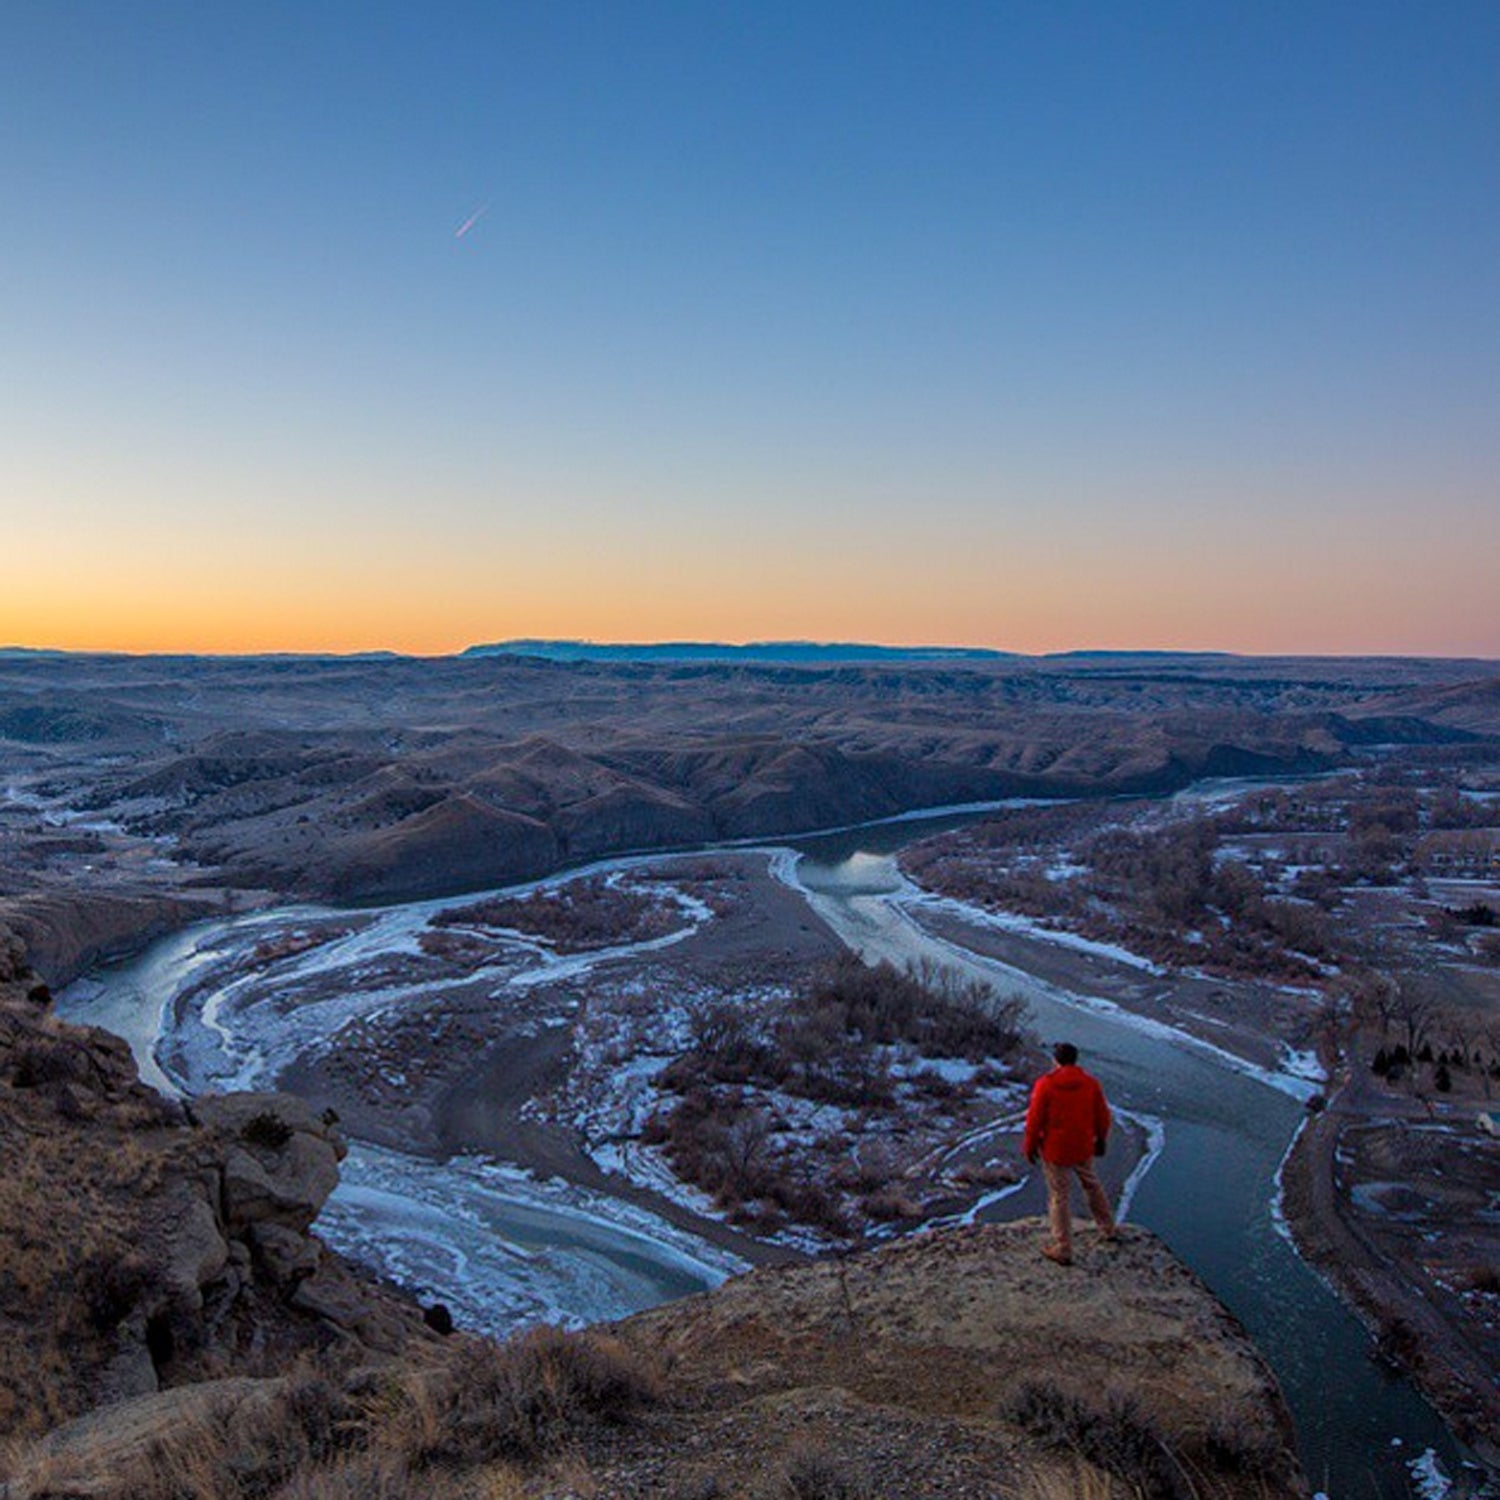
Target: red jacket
[(1068, 1117)]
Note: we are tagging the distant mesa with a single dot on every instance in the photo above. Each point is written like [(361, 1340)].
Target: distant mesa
[(778, 652)]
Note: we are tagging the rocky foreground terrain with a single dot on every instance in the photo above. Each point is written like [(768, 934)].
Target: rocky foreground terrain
[(136, 790), (169, 1325)]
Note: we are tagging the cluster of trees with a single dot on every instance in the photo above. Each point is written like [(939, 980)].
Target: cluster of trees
[(1171, 891), (1378, 817), (1162, 889), (832, 1045), (1419, 1032), (592, 912)]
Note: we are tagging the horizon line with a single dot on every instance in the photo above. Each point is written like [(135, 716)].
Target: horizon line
[(478, 649)]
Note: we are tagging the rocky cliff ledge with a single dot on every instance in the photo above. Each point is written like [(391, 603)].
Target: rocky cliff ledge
[(145, 1244), (170, 1327), (960, 1362)]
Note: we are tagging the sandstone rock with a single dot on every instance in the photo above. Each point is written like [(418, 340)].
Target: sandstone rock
[(946, 1365), (921, 1350), (234, 1114), (286, 1256), (283, 1162), (131, 1372), (141, 1271), (195, 1248), (91, 1452), (339, 1302), (12, 957)]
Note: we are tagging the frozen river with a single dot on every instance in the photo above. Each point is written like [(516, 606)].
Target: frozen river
[(502, 1249)]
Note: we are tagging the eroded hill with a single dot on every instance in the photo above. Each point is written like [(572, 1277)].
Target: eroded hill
[(137, 790)]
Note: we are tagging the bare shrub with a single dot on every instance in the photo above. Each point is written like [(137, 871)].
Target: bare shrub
[(114, 1285), (1237, 1446), (50, 1060), (1076, 1480), (212, 1459), (820, 1475), (1114, 1436), (700, 1487), (267, 1129), (890, 1205), (935, 1010), (835, 1044), (1484, 1279), (593, 912), (517, 1400)]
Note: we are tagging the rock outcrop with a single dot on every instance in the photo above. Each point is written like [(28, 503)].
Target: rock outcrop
[(145, 1244), (947, 1361), (954, 1364)]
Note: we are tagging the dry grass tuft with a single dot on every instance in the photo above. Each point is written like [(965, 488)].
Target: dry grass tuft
[(519, 1400), (1112, 1434), (1073, 1480), (821, 1475), (468, 1426)]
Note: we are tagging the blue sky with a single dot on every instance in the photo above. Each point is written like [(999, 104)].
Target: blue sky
[(1022, 325)]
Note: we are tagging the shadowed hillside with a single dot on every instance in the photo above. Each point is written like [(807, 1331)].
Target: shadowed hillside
[(159, 783)]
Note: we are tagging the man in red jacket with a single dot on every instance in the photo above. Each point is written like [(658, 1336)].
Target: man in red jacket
[(1068, 1124)]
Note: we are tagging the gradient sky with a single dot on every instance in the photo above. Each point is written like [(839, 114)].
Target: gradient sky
[(1034, 325)]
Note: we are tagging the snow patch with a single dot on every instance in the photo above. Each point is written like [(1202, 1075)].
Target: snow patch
[(1429, 1482)]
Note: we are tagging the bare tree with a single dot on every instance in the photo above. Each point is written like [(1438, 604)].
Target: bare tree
[(1373, 995), (1491, 1059), (745, 1149), (1460, 1036), (1415, 1012)]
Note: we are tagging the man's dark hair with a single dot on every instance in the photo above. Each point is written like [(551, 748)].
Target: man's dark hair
[(1065, 1054)]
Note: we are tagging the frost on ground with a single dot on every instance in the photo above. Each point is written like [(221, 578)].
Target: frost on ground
[(810, 1114), (590, 912), (502, 1250), (367, 994), (1158, 888), (1428, 1480)]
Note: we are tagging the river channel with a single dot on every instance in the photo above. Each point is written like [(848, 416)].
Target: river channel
[(492, 1242)]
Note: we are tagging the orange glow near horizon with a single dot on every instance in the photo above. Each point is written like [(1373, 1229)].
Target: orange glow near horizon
[(435, 606), (430, 570), (1006, 332)]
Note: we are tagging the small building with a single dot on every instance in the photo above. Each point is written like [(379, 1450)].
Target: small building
[(1466, 854)]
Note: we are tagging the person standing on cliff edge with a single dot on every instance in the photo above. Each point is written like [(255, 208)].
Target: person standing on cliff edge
[(1067, 1125)]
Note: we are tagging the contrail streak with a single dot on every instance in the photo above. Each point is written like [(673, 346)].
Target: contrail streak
[(470, 222)]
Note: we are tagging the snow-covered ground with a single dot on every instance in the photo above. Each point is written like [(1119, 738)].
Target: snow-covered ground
[(245, 1021), (500, 1248), (1031, 927), (1297, 1084), (631, 1031)]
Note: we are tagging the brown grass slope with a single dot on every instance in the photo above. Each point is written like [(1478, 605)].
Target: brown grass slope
[(950, 1365), (142, 1245)]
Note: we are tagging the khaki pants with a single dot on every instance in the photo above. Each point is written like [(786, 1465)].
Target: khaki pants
[(1058, 1185)]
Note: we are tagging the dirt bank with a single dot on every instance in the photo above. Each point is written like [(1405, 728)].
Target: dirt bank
[(1385, 1286), (1254, 1022)]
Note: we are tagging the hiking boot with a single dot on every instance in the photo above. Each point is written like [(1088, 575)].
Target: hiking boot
[(1057, 1255)]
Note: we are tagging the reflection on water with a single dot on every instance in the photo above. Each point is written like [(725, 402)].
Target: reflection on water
[(1209, 1195), (861, 874)]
